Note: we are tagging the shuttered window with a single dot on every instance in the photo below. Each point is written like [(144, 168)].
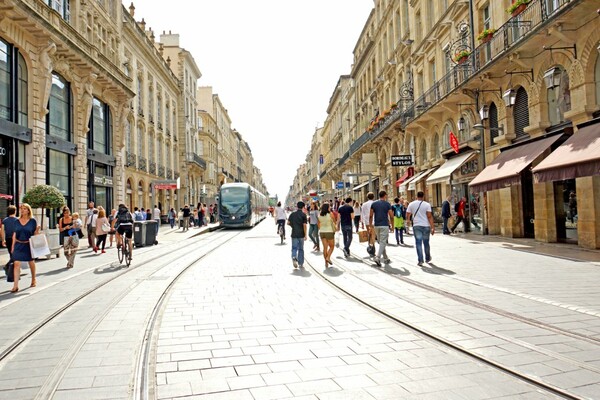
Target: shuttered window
[(521, 112), (493, 121)]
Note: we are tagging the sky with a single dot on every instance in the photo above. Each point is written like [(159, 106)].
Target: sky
[(273, 63)]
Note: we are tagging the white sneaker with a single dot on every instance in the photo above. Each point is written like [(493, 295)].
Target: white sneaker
[(295, 261)]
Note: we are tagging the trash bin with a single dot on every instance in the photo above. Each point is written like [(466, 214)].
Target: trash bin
[(151, 232), (139, 233)]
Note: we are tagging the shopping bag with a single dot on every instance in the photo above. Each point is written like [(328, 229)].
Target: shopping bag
[(9, 269), (39, 246), (337, 239), (363, 236)]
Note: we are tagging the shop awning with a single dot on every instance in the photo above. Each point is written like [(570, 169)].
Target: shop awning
[(442, 175), (413, 182), (405, 185), (506, 169), (578, 156), (402, 179), (362, 185)]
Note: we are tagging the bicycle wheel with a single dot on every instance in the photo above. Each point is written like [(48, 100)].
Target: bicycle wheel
[(127, 253), (120, 253)]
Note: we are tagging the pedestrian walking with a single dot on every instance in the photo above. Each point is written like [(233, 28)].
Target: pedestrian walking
[(313, 230), (382, 220), (365, 220), (65, 223), (88, 223), (327, 228), (446, 214), (297, 221), (172, 216), (148, 214), (111, 233), (72, 241), (356, 207), (419, 212), (102, 229), (26, 227), (346, 213), (572, 206), (460, 214), (92, 227), (399, 215), (405, 202), (9, 224), (156, 215), (186, 217)]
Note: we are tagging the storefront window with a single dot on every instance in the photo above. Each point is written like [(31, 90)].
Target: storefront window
[(59, 175)]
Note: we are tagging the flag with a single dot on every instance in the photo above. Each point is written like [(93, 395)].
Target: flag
[(453, 142)]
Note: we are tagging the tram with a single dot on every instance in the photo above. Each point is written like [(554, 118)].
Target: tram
[(240, 205)]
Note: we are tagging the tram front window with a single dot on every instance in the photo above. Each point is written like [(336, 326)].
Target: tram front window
[(234, 201)]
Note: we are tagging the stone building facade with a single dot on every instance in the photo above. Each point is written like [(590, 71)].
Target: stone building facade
[(457, 85)]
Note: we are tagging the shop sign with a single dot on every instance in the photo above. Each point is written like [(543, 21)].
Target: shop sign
[(166, 185), (469, 167), (2, 151), (103, 180), (404, 160)]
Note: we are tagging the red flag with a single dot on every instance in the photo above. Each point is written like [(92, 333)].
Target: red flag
[(453, 142)]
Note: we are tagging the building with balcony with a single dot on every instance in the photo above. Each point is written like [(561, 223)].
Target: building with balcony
[(65, 101), (481, 99), (151, 140), (191, 166)]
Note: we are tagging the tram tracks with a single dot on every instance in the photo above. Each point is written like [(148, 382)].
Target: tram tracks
[(512, 371), (54, 378)]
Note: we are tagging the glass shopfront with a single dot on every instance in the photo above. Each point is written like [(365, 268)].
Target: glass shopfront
[(101, 162)]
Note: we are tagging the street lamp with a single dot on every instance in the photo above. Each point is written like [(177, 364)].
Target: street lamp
[(509, 97), (552, 77), (461, 124), (484, 112)]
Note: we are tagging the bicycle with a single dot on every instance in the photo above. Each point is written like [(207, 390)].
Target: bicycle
[(123, 251)]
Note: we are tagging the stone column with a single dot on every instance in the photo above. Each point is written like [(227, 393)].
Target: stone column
[(588, 211), (545, 212)]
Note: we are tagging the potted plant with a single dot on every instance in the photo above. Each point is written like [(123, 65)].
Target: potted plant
[(462, 56), (46, 196), (486, 35), (517, 7)]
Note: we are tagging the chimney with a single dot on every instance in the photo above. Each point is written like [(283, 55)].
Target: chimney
[(131, 9)]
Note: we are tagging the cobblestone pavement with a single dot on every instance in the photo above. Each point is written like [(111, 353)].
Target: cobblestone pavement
[(242, 323)]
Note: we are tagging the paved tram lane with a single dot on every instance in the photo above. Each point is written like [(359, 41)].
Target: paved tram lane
[(242, 324)]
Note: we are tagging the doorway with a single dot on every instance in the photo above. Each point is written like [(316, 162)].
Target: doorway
[(565, 205)]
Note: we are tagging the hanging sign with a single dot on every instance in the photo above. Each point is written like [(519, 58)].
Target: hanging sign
[(403, 160), (453, 142)]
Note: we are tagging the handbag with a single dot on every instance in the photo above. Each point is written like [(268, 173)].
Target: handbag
[(9, 269), (105, 227), (363, 236), (80, 234), (38, 244)]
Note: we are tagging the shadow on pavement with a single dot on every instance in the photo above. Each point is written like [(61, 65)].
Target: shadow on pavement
[(396, 271), (114, 267), (435, 270), (333, 271), (301, 272), (53, 272)]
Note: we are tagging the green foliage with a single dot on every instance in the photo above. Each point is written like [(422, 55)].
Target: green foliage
[(44, 196), (485, 33)]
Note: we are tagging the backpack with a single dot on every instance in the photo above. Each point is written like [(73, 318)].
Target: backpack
[(138, 216), (398, 211), (123, 216), (456, 206)]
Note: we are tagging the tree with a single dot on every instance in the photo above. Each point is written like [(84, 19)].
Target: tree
[(44, 196)]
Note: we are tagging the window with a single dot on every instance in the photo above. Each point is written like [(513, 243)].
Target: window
[(597, 77), (128, 138), (449, 127), (140, 95), (493, 114), (151, 103), (168, 151), (430, 15), (435, 147), (59, 108), (418, 28), (521, 112), (151, 147), (405, 17), (62, 7), (159, 111), (140, 141), (100, 128), (13, 85), (465, 133), (58, 174), (423, 151), (159, 159), (167, 116)]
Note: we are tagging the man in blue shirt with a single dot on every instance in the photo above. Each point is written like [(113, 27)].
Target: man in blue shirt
[(346, 216), (382, 218)]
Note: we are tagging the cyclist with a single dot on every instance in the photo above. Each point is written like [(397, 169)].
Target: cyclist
[(280, 217), (123, 224)]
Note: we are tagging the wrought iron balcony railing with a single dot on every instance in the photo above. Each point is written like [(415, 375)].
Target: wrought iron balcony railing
[(169, 173), (175, 175), (131, 160), (142, 164), (195, 158), (152, 168), (161, 170)]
